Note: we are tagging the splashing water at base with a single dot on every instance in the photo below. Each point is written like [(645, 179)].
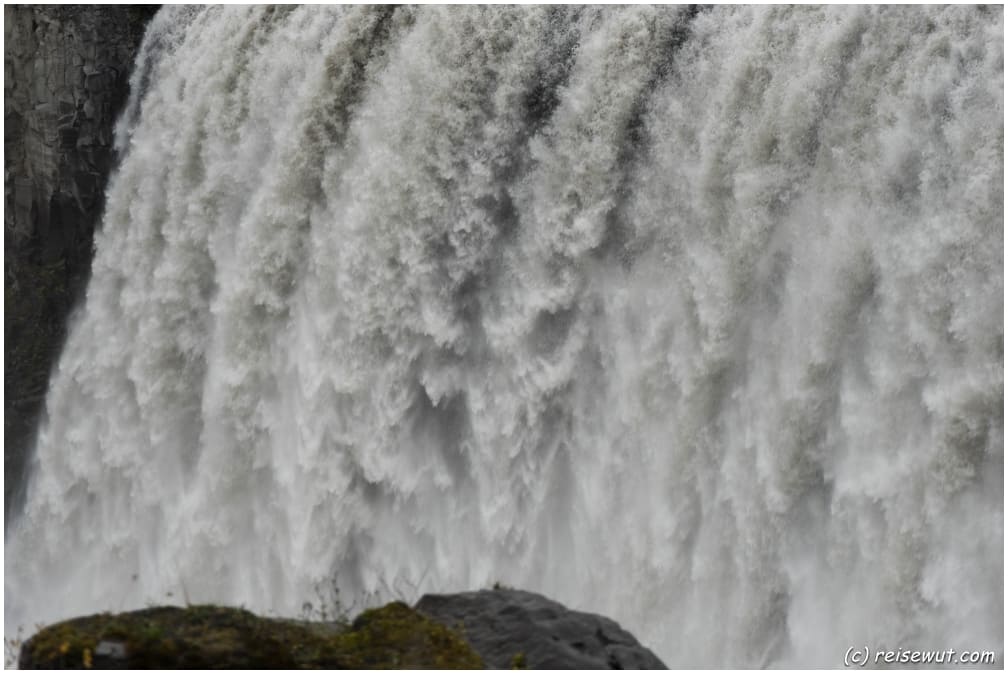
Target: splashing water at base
[(689, 318)]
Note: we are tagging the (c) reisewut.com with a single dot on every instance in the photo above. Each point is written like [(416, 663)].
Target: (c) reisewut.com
[(860, 657)]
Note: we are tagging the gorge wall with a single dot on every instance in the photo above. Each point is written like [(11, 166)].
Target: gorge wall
[(66, 76)]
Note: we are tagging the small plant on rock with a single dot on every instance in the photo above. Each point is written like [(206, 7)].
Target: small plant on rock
[(327, 607), (12, 649)]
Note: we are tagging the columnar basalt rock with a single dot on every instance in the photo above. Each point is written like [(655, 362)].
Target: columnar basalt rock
[(66, 77)]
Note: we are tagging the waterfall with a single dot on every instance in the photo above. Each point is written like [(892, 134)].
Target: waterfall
[(689, 317)]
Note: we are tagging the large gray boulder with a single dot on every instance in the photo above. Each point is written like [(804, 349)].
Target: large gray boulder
[(512, 628)]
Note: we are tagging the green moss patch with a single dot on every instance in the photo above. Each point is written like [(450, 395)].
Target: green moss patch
[(214, 637)]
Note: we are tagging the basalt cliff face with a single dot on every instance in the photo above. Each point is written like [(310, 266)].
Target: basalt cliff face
[(66, 77)]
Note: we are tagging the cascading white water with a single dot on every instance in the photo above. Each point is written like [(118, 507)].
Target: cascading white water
[(692, 319)]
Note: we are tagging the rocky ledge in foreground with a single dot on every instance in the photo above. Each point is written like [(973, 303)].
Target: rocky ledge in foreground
[(498, 629), (511, 628)]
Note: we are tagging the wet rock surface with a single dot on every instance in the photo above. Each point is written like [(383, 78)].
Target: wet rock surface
[(517, 629)]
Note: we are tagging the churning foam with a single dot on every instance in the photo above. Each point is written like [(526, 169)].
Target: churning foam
[(692, 319)]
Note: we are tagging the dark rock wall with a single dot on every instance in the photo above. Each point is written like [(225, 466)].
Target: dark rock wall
[(66, 77)]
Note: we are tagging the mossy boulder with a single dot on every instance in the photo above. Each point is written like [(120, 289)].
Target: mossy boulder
[(214, 637)]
